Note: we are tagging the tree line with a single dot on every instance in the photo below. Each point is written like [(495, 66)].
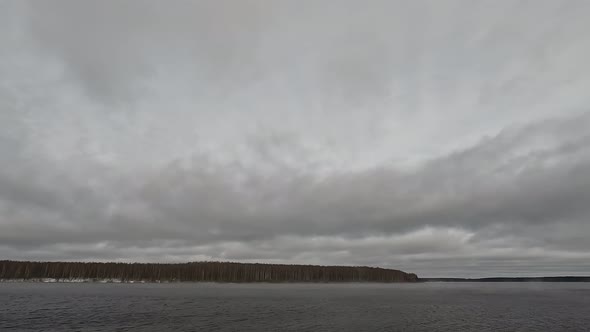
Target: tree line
[(198, 271)]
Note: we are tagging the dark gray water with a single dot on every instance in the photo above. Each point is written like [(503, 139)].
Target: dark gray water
[(295, 307)]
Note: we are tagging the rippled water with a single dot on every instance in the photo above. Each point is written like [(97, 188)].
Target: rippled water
[(295, 307)]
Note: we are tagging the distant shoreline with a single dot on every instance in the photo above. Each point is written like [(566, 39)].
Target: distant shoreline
[(420, 280), (225, 272), (510, 279)]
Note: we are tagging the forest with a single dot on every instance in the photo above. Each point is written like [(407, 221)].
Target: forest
[(197, 272)]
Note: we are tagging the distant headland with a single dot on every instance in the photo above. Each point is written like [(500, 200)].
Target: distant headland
[(194, 272)]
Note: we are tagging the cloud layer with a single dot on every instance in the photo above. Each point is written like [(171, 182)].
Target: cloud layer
[(443, 138)]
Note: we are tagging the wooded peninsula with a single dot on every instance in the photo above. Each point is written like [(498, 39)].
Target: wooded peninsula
[(195, 272)]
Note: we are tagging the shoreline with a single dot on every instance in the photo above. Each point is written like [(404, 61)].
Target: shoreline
[(511, 279), (231, 272)]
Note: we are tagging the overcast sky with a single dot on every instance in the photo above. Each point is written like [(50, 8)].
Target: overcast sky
[(445, 138)]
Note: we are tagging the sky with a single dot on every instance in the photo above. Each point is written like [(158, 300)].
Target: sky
[(444, 138)]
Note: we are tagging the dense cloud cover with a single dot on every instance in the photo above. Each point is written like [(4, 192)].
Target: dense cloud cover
[(445, 138)]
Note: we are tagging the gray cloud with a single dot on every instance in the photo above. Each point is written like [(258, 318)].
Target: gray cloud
[(440, 138)]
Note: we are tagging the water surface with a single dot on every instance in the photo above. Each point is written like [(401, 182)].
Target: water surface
[(295, 307)]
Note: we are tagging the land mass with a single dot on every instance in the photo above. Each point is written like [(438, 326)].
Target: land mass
[(194, 272)]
